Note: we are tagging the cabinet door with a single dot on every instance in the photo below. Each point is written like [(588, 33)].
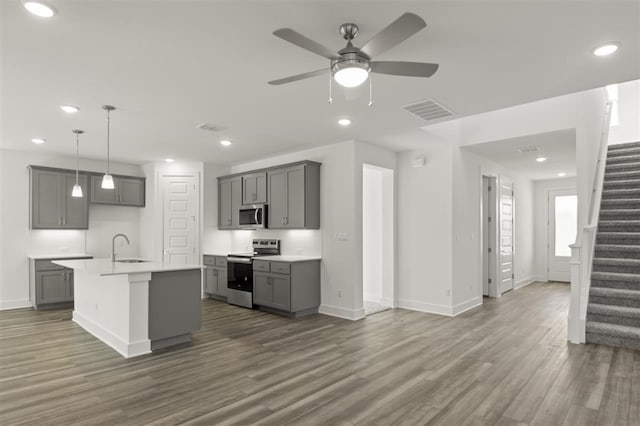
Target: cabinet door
[(236, 202), (261, 289), (52, 286), (294, 217), (221, 286), (75, 213), (99, 195), (278, 197), (130, 192), (281, 292), (254, 188), (210, 280), (69, 284), (224, 204), (46, 199)]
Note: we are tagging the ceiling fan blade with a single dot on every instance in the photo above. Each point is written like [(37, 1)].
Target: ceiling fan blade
[(298, 39), (397, 32), (409, 69), (299, 77)]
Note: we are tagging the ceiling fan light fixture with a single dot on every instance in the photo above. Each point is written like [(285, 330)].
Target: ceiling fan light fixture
[(351, 73)]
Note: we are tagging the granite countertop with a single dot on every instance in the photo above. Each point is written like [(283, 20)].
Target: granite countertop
[(59, 256), (289, 258), (106, 267)]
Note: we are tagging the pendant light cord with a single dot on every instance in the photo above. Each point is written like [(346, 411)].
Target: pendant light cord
[(77, 155), (108, 120)]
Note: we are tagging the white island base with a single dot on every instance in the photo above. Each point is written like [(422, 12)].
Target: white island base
[(136, 311)]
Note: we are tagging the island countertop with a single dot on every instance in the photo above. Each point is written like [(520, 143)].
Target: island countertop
[(106, 267), (288, 258)]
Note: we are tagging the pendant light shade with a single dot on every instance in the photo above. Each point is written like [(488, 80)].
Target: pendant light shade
[(77, 189), (107, 179)]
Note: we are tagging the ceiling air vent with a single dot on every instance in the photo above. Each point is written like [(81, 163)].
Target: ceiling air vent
[(526, 149), (428, 110), (209, 127)]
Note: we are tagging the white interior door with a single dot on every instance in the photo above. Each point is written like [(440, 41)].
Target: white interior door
[(506, 235), (180, 219), (562, 224)]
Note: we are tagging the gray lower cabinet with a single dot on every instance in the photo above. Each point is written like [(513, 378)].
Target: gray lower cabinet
[(294, 197), (51, 203), (229, 202), (288, 287), (215, 279), (50, 285), (128, 191)]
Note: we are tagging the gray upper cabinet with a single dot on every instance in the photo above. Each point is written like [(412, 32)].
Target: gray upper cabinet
[(294, 197), (128, 191), (52, 206), (254, 188), (229, 201)]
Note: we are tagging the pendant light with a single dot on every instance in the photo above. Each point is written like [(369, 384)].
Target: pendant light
[(77, 189), (107, 179)]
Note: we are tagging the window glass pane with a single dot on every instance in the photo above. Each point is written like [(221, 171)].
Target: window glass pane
[(566, 207)]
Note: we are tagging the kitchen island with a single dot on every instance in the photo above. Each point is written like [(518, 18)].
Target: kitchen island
[(136, 307)]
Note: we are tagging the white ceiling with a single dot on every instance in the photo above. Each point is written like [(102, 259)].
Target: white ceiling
[(171, 65), (558, 147)]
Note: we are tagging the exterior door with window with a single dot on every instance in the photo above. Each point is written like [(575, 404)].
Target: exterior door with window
[(562, 223)]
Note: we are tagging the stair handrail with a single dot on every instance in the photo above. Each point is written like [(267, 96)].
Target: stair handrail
[(583, 250)]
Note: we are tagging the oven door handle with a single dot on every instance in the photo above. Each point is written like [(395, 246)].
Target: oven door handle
[(239, 260)]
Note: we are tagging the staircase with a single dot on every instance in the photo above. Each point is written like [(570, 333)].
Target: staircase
[(613, 312)]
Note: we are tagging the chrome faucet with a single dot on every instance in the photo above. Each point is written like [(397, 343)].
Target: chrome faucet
[(113, 246)]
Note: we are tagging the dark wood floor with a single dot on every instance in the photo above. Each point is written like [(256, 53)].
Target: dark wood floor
[(506, 363)]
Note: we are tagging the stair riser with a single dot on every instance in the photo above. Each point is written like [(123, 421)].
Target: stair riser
[(617, 254), (621, 194), (623, 159), (614, 301), (620, 204), (622, 184), (618, 239), (604, 339), (622, 167), (622, 214), (623, 152), (623, 269), (614, 177), (614, 319), (630, 227), (625, 285)]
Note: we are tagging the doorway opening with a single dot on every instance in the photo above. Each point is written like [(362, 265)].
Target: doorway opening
[(377, 239), (489, 236), (562, 227)]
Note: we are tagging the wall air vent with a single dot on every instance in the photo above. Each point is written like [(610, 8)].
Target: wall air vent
[(209, 127), (428, 110), (526, 149)]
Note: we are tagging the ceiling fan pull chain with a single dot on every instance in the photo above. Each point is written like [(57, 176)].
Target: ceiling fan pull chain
[(330, 100), (370, 91)]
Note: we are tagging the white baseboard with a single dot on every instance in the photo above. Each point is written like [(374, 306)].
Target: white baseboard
[(125, 349), (14, 304), (336, 311), (386, 301), (465, 306), (524, 282), (425, 307)]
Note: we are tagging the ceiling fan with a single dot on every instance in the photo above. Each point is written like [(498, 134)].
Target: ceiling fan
[(350, 67)]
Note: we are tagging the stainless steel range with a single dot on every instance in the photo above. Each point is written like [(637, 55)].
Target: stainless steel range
[(240, 271)]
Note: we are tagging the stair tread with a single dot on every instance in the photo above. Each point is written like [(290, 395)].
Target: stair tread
[(620, 293), (613, 329), (619, 222), (617, 247), (627, 211), (616, 260), (613, 310), (615, 276)]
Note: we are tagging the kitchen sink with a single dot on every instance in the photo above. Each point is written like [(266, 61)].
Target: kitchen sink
[(132, 260)]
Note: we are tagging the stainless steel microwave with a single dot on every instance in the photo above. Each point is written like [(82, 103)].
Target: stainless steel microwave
[(252, 217)]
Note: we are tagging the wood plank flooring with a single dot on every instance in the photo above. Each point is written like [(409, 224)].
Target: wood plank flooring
[(505, 363)]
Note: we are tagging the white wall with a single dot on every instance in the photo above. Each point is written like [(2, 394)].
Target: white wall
[(628, 113), (372, 259), (541, 212), (18, 240)]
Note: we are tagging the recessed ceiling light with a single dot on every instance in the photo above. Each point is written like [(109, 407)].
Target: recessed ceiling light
[(344, 122), (562, 174), (69, 108), (169, 160), (225, 142), (39, 8), (38, 141), (541, 159), (606, 49)]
